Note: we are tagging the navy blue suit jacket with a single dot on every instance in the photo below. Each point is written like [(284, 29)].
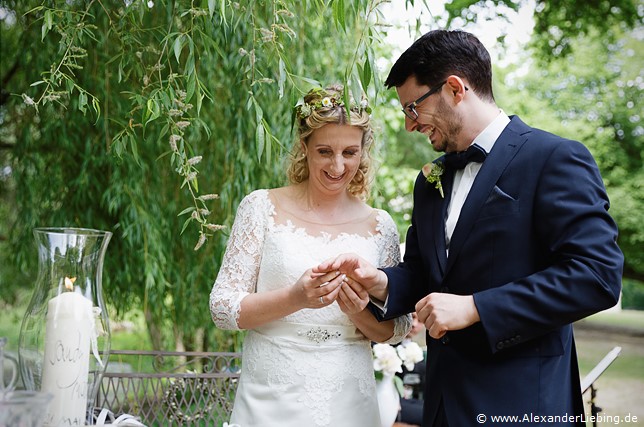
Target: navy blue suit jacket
[(536, 247)]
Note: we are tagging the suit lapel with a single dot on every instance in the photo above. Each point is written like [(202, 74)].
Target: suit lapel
[(505, 148), (439, 213)]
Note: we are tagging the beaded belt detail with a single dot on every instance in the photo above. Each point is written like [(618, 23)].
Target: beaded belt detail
[(318, 334), (306, 333)]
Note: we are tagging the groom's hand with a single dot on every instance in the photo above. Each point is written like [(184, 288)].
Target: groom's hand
[(446, 312), (348, 261), (356, 267)]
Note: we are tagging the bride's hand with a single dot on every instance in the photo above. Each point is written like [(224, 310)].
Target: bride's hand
[(317, 290), (353, 297)]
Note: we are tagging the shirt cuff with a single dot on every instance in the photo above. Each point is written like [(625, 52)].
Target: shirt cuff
[(381, 305)]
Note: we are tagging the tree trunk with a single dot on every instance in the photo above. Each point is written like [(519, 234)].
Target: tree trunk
[(153, 330)]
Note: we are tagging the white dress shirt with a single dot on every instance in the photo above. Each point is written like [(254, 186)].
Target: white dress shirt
[(464, 178)]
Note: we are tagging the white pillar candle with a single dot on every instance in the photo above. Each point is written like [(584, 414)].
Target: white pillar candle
[(66, 364)]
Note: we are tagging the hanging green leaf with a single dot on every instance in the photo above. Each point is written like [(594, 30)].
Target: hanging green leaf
[(282, 77), (222, 11), (260, 134), (47, 24), (192, 85), (82, 102), (339, 14), (178, 46), (366, 73), (153, 110)]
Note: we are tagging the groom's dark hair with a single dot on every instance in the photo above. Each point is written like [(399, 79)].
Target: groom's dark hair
[(441, 53)]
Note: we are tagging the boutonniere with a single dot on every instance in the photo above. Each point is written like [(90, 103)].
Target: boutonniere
[(433, 172)]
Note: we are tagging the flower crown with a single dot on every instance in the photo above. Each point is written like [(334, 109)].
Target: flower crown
[(304, 109)]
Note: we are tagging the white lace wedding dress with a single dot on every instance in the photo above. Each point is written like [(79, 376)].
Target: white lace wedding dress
[(313, 367)]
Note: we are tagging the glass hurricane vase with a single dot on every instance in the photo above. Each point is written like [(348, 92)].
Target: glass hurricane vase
[(65, 335)]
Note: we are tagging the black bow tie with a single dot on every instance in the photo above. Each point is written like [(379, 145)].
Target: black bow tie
[(459, 160)]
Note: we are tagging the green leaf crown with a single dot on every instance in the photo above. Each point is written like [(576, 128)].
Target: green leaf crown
[(321, 100)]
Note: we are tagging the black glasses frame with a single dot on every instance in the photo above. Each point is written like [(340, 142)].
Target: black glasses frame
[(410, 109)]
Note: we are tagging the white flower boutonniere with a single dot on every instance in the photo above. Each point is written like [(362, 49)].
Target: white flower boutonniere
[(433, 172)]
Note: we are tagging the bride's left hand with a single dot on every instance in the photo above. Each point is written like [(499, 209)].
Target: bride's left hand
[(353, 298)]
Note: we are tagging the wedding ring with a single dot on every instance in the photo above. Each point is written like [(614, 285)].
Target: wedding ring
[(321, 300), (324, 284)]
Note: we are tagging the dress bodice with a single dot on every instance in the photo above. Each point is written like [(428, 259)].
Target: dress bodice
[(266, 252)]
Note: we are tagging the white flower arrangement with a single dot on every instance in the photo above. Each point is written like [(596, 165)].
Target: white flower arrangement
[(410, 353), (386, 360), (389, 360)]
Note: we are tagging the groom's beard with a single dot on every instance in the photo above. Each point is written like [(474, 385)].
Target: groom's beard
[(451, 124)]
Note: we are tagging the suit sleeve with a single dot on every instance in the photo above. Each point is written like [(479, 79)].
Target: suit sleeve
[(576, 238), (390, 256), (408, 281)]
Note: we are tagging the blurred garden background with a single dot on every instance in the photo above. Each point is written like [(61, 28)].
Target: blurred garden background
[(152, 119)]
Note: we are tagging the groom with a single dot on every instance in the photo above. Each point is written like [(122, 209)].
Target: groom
[(520, 246)]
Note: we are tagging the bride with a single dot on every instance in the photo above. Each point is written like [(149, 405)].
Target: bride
[(307, 356)]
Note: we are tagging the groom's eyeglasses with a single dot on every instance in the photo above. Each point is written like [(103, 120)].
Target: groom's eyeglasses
[(410, 109)]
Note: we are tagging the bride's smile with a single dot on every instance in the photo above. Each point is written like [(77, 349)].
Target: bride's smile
[(333, 154)]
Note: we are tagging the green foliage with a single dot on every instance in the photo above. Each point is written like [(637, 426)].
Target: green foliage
[(633, 295), (565, 21), (558, 23), (153, 122)]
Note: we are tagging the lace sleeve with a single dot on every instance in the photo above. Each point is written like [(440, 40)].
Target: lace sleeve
[(237, 276), (390, 247), (389, 257)]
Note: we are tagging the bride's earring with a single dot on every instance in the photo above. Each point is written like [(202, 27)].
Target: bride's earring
[(304, 150)]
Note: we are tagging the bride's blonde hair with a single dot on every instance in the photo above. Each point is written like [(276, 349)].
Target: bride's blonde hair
[(322, 107)]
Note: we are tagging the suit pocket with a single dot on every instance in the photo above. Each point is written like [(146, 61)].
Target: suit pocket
[(499, 203), (549, 345)]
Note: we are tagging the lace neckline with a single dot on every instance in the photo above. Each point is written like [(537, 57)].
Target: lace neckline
[(324, 236)]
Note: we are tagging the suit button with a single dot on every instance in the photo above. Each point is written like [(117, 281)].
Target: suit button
[(513, 341), (445, 339), (499, 345), (518, 338)]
